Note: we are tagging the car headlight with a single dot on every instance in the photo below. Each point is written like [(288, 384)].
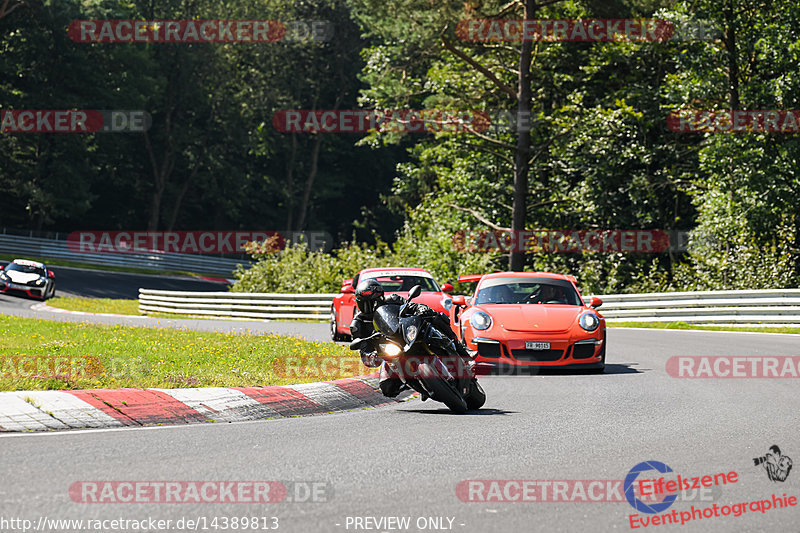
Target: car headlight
[(589, 321), (40, 282), (392, 350), (447, 303), (3, 276), (480, 320)]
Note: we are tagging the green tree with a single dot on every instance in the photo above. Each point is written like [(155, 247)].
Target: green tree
[(746, 184)]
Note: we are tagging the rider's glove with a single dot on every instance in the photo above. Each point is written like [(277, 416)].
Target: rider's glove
[(370, 359)]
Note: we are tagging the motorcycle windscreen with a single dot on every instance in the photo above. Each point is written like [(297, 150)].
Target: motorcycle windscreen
[(387, 319)]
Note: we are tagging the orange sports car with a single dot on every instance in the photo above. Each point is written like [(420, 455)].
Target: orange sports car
[(530, 319)]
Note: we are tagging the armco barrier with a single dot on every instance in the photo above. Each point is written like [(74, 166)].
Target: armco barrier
[(237, 304), (155, 260), (772, 306), (706, 307)]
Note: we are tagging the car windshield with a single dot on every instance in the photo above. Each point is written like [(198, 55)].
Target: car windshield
[(527, 291), (25, 268), (404, 283)]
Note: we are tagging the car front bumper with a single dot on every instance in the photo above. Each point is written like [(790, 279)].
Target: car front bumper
[(512, 352), (33, 291)]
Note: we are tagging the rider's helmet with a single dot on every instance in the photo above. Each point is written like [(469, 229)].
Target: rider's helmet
[(369, 294)]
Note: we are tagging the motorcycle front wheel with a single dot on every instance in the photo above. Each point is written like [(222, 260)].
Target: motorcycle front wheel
[(441, 389), (476, 396)]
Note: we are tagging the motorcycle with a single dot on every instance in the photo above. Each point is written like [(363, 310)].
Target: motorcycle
[(417, 353)]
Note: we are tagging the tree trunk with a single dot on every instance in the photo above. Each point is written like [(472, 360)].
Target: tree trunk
[(312, 175), (516, 259), (733, 102), (160, 176), (290, 184), (155, 210), (179, 200), (733, 63), (5, 10)]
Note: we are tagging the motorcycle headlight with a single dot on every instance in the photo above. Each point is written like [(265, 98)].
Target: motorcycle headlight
[(589, 321), (447, 303), (480, 320), (392, 350), (411, 334)]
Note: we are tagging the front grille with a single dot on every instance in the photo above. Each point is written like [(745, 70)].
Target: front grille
[(16, 292), (537, 355), (582, 351), (489, 349)]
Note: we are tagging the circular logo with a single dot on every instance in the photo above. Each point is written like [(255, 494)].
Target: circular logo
[(630, 481)]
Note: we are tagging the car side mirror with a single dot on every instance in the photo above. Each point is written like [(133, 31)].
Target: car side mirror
[(414, 292), (459, 300), (50, 274), (447, 288), (348, 289), (596, 302)]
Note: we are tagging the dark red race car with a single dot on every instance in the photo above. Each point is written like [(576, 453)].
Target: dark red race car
[(530, 319), (394, 281)]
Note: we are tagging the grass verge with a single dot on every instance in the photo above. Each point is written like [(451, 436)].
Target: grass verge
[(45, 355), (684, 325), (115, 306)]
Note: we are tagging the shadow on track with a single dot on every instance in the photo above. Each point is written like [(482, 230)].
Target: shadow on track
[(527, 371), (446, 411)]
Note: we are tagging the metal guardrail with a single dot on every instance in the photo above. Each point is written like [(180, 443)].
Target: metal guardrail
[(705, 307), (154, 260), (237, 304), (771, 306)]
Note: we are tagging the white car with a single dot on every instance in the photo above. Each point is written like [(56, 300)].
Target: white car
[(27, 277)]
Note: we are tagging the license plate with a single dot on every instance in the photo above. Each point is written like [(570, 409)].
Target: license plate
[(17, 287), (537, 345)]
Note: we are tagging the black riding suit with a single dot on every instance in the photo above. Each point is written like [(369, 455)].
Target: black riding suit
[(362, 327)]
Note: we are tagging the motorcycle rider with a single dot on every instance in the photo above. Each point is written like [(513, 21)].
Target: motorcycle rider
[(369, 296)]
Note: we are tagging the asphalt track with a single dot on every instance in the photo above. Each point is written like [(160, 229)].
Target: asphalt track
[(406, 460)]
